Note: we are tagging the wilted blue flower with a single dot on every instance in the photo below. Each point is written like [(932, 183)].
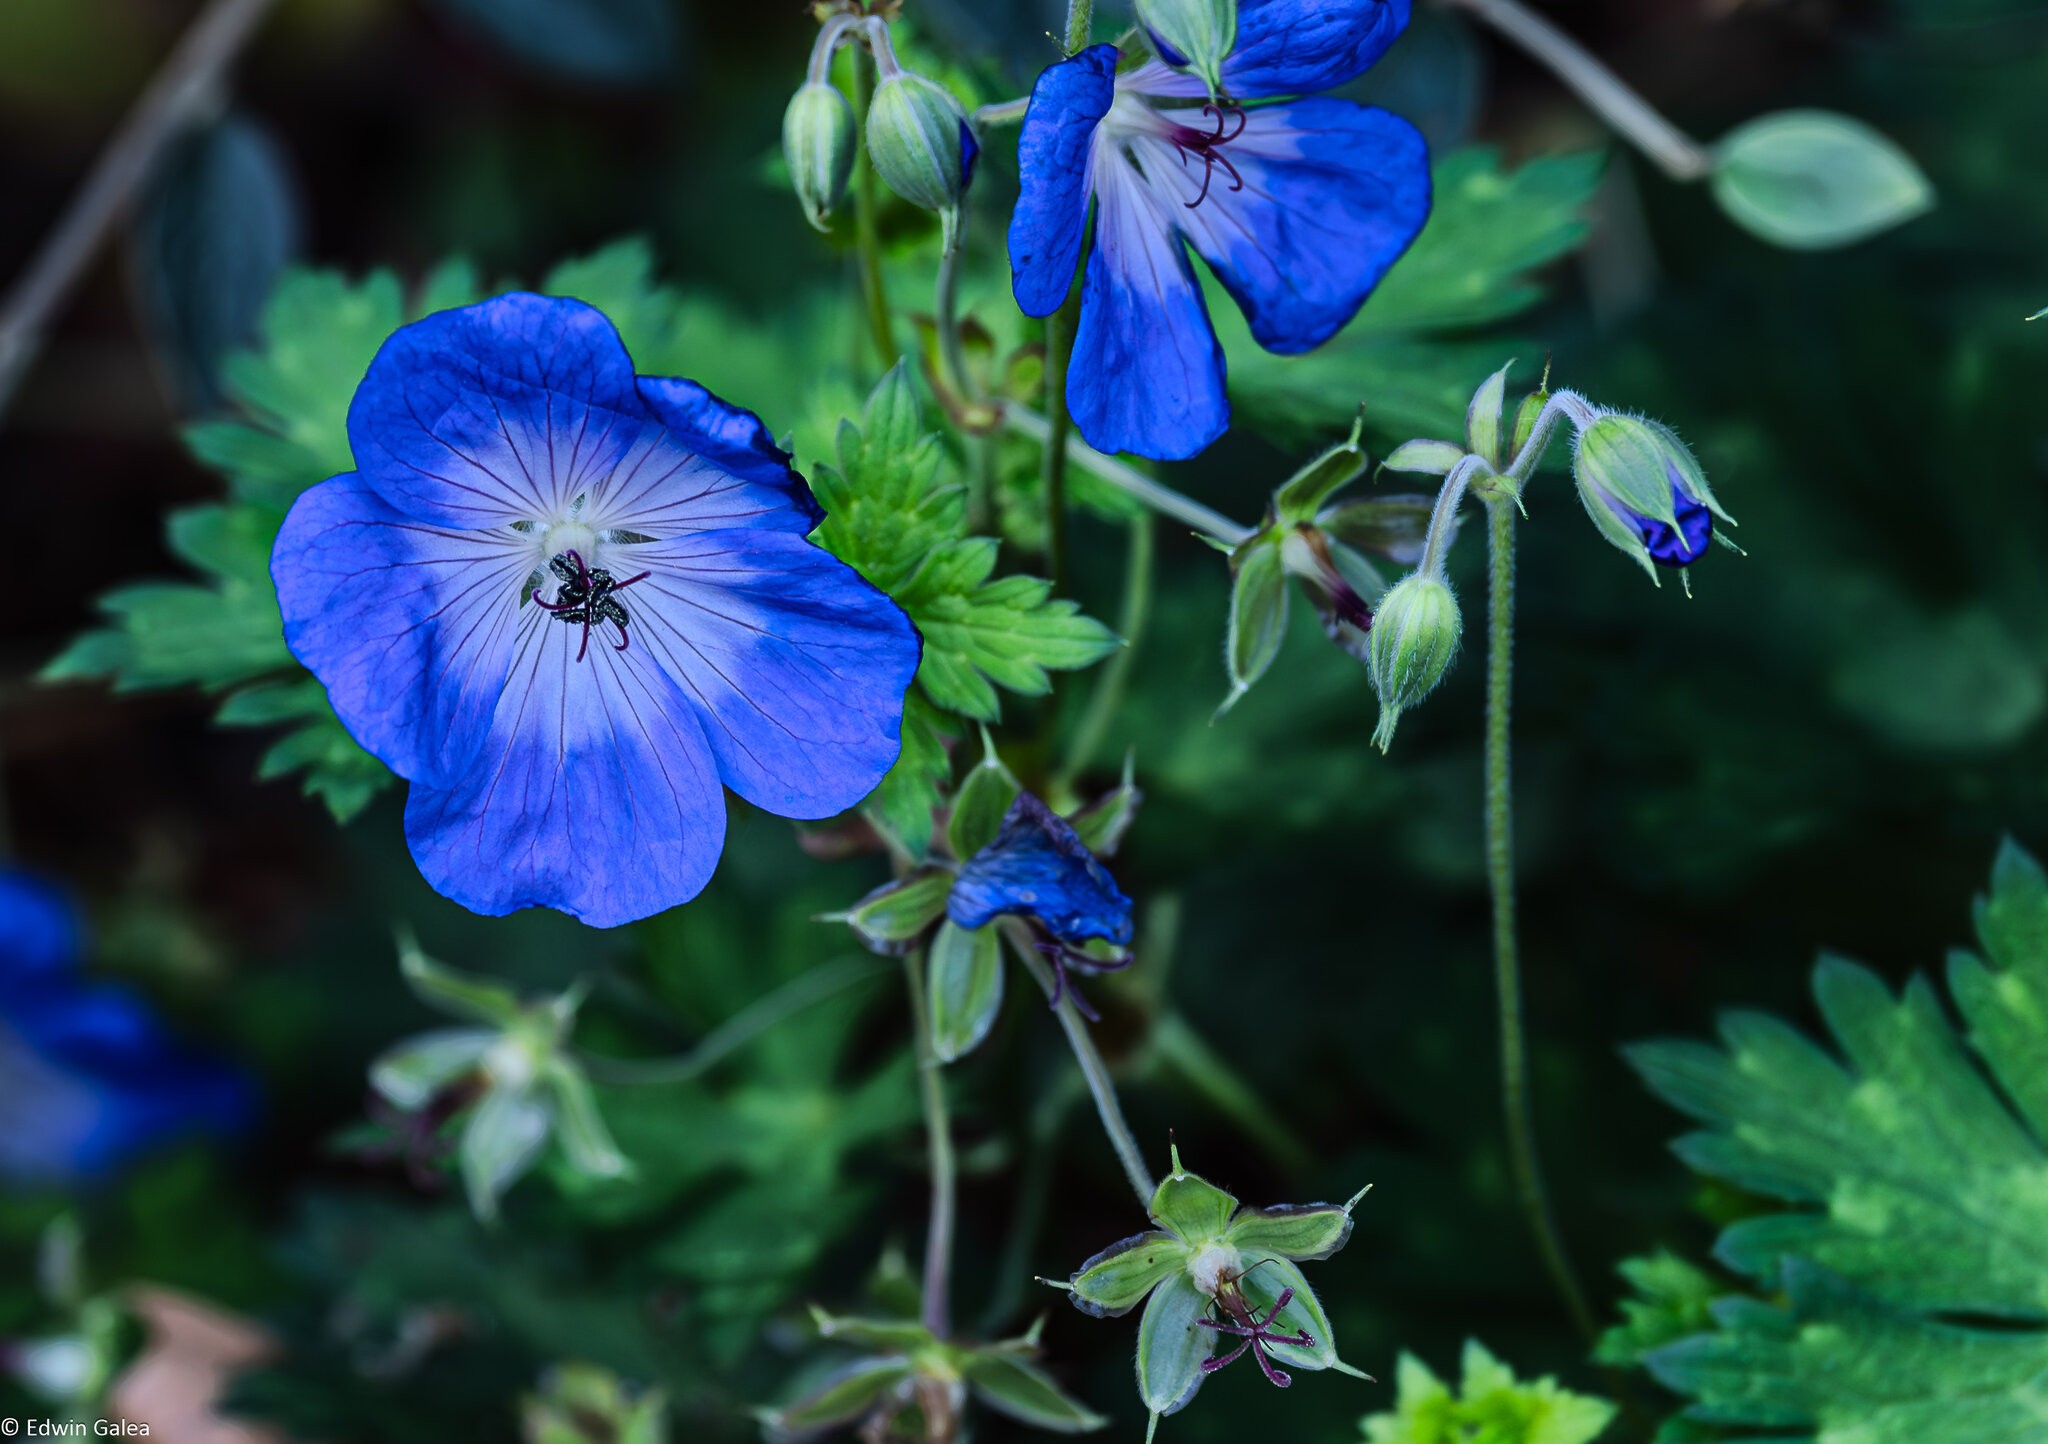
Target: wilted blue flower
[(515, 475), (88, 1077), (1038, 868), (1299, 208)]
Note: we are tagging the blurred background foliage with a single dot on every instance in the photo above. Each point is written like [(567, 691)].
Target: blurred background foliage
[(1822, 748)]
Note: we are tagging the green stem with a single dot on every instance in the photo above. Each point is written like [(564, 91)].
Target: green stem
[(1094, 1071), (1109, 692), (1080, 24), (1129, 480), (806, 990), (938, 1244), (1500, 869), (1059, 347), (874, 291)]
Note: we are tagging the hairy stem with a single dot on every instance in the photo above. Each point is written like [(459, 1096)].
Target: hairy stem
[(1094, 1071), (806, 990), (938, 1243), (1500, 869), (1080, 24), (1002, 112), (189, 81), (1677, 154), (867, 232), (1116, 677), (1162, 499)]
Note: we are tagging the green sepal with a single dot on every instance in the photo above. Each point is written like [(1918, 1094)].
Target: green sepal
[(1258, 614), (1302, 495), (966, 988), (462, 995), (984, 797), (1172, 1345), (1189, 1206), (1395, 527), (586, 1142), (896, 1335), (410, 1073), (1116, 1280), (1303, 1232), (1483, 418), (1525, 422), (1017, 1387), (1101, 825), (894, 916), (1263, 1282), (842, 1398), (1427, 458), (581, 1403), (500, 1143)]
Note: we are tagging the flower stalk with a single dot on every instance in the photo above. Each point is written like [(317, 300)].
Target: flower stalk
[(1129, 480), (938, 1245)]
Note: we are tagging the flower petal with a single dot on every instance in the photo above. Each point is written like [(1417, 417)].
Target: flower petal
[(38, 928), (1147, 371), (410, 627), (796, 664), (1038, 866), (1050, 223), (498, 412), (594, 792), (709, 464), (1333, 194), (1291, 47)]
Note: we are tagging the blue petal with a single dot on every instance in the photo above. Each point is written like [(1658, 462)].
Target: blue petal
[(1147, 372), (1038, 866), (410, 627), (797, 665), (708, 464), (1333, 194), (38, 928), (1050, 223), (1668, 547), (498, 412), (1291, 47), (595, 791), (970, 152)]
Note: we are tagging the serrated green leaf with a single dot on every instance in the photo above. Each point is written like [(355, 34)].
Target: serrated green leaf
[(966, 988), (1491, 1406), (904, 803), (1672, 1301), (1926, 1185)]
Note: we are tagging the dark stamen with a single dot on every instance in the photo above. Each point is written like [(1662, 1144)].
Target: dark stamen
[(1186, 139)]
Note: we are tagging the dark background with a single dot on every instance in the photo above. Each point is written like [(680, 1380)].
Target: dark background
[(1820, 750)]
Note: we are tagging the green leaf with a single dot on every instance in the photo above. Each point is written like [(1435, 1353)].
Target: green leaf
[(1491, 1407), (1672, 1301), (1193, 1208), (903, 805), (1471, 266), (1812, 180), (894, 916), (1019, 1388), (1920, 1189), (893, 517), (1117, 1279), (1172, 1344), (1300, 1231), (966, 988)]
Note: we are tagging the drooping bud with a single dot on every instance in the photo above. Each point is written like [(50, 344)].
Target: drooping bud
[(1414, 638), (818, 138), (921, 143), (1644, 491), (1194, 35)]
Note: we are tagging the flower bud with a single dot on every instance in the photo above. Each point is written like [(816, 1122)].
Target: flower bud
[(1414, 637), (922, 145), (818, 134), (1195, 35), (1644, 491)]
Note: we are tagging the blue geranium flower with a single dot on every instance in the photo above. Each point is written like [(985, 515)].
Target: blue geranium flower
[(1038, 868), (88, 1078), (1300, 208), (567, 602)]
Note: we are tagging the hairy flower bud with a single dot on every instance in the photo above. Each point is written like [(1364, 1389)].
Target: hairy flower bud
[(1195, 35), (922, 145), (1414, 637), (1644, 491), (818, 136)]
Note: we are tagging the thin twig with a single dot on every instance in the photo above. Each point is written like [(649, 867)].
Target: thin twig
[(189, 80), (1162, 499)]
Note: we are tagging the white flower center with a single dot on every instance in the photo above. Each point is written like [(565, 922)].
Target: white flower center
[(1212, 1265), (570, 536)]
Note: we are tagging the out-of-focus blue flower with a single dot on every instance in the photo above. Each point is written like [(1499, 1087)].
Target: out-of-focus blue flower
[(88, 1076), (1300, 208), (1039, 868), (567, 602)]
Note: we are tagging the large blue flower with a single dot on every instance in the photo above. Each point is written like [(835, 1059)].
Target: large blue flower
[(568, 602), (1299, 208), (88, 1078)]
